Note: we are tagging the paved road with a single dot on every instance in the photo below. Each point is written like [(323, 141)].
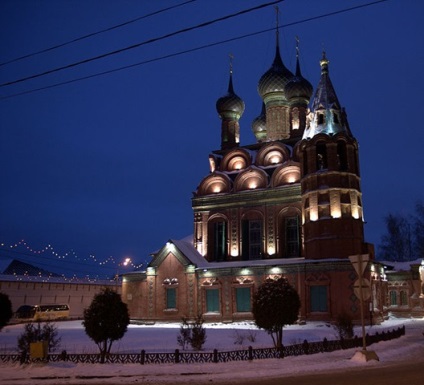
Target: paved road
[(402, 374), (397, 374)]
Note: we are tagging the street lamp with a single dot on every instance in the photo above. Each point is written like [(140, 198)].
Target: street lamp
[(125, 262)]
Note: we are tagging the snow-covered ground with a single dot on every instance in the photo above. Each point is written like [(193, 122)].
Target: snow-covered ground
[(163, 337)]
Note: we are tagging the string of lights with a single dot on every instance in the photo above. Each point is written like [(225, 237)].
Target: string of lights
[(76, 267), (183, 52)]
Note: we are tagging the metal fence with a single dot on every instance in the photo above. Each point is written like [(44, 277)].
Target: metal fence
[(215, 356)]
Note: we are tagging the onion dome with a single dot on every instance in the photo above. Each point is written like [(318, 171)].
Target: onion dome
[(259, 126), (298, 86), (275, 79), (230, 103)]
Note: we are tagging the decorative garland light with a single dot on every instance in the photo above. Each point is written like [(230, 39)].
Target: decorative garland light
[(109, 262)]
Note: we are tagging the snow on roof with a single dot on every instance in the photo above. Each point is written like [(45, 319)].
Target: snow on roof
[(402, 266), (187, 248)]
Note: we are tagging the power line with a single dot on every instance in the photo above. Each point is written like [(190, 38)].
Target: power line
[(149, 41), (190, 50), (94, 33)]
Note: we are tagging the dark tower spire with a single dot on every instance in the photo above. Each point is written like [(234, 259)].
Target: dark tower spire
[(230, 108), (327, 116)]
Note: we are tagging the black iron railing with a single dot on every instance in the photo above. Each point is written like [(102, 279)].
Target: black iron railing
[(215, 356)]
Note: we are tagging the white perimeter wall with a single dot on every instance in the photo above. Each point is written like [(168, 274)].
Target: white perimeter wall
[(77, 295)]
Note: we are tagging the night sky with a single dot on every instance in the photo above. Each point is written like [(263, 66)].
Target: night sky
[(106, 166)]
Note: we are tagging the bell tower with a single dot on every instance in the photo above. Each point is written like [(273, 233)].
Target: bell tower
[(332, 212)]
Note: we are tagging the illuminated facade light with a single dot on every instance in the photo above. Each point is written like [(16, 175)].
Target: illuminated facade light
[(238, 165), (313, 216), (217, 189), (336, 212), (291, 178)]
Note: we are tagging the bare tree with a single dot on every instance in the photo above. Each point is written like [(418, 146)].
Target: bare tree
[(419, 230), (397, 243)]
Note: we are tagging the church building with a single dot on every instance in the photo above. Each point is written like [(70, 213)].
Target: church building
[(288, 205)]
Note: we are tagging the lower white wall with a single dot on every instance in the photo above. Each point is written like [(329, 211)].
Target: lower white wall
[(32, 291)]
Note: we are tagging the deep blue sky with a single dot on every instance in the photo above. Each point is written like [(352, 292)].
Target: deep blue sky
[(107, 166)]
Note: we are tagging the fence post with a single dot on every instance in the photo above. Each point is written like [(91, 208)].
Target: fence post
[(305, 347), (64, 355), (23, 358), (215, 356), (177, 356), (250, 353), (281, 351), (142, 357), (325, 345)]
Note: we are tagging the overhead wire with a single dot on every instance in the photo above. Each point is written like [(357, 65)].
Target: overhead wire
[(95, 33), (328, 14), (132, 46)]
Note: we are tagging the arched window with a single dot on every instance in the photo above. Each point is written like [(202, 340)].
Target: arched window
[(403, 298), (335, 117), (393, 298), (295, 119), (321, 156), (217, 240), (305, 162), (341, 156), (252, 230), (292, 236)]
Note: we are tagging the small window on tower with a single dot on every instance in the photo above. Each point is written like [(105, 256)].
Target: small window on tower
[(320, 119), (336, 118), (295, 119)]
